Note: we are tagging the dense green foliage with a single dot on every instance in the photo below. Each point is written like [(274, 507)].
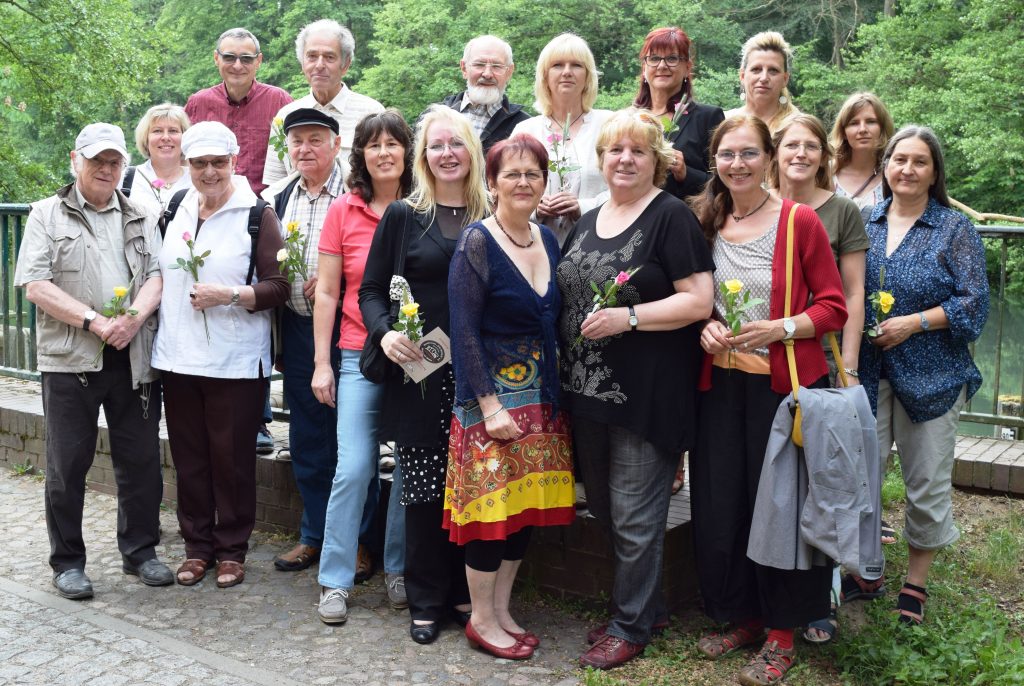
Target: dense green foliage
[(947, 63)]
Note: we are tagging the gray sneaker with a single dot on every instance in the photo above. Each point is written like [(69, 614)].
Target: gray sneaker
[(396, 591), (333, 608)]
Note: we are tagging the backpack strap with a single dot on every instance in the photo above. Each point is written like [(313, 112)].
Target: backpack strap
[(172, 209), (255, 218), (126, 183)]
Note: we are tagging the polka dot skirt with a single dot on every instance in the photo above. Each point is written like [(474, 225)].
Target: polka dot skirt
[(423, 467)]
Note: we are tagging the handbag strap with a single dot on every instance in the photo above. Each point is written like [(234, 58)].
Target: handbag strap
[(400, 257), (790, 352)]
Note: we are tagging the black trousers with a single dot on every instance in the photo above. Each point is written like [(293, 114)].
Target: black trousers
[(435, 571), (71, 405), (735, 420)]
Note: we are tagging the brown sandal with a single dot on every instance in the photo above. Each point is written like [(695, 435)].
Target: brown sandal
[(768, 666), (193, 566), (230, 568), (716, 645)]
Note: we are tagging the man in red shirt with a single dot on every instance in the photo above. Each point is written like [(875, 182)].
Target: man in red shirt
[(241, 103)]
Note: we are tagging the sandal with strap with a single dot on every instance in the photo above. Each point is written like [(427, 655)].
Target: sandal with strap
[(230, 568), (827, 626), (193, 566), (910, 605), (889, 535), (855, 588), (715, 645), (768, 666)]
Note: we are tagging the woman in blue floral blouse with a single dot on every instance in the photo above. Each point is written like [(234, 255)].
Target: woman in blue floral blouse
[(918, 372)]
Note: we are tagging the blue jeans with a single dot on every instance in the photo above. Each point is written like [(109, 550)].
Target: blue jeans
[(312, 430), (358, 403)]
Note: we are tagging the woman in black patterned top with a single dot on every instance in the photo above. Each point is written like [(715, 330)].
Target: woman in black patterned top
[(630, 384)]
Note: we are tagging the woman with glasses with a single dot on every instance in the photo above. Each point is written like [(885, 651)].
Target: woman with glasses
[(448, 193), (863, 128), (510, 460), (213, 347), (630, 370), (566, 88), (158, 139), (764, 75), (801, 172), (666, 89), (745, 378)]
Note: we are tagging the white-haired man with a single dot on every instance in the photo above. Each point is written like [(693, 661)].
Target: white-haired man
[(487, 67), (325, 50), (82, 247)]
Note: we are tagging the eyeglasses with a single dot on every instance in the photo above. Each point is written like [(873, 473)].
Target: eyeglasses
[(219, 163), (496, 67), (728, 156), (114, 163), (453, 145), (655, 60), (532, 176), (231, 57), (808, 147)]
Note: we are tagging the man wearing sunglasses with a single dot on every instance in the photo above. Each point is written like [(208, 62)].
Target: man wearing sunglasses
[(240, 102)]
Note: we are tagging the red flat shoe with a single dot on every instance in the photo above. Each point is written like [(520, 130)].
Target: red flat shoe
[(517, 651), (527, 638)]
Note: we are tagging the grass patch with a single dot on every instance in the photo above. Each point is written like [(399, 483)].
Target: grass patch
[(23, 469), (1000, 557), (893, 489)]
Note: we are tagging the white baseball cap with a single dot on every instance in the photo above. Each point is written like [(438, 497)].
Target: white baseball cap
[(95, 138), (208, 138)]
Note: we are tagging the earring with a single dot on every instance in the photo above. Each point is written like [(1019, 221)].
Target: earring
[(782, 100), (743, 96)]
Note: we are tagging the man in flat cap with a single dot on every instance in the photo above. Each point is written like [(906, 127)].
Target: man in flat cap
[(82, 247)]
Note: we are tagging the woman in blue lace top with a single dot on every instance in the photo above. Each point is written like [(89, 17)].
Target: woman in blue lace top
[(918, 372)]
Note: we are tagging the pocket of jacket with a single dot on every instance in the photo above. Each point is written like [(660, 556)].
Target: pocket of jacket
[(68, 253)]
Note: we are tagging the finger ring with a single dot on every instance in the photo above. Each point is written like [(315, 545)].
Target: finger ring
[(745, 345)]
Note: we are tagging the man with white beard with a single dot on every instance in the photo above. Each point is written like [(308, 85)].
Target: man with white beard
[(487, 66)]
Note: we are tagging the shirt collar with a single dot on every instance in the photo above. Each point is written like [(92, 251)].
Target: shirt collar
[(489, 109), (224, 91), (932, 215), (337, 103), (333, 186), (83, 203)]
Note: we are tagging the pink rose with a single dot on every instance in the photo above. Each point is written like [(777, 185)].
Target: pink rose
[(554, 138), (159, 183), (186, 237), (622, 278)]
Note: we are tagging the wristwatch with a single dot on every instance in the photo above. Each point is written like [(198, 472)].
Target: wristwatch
[(924, 322), (632, 319), (235, 295), (789, 326), (88, 319)]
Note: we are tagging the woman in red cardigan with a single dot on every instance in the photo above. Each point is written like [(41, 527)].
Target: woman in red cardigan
[(745, 378)]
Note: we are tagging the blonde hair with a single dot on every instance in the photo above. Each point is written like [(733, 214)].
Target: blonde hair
[(565, 45), (167, 110), (851, 107), (823, 177), (771, 41), (423, 197), (640, 126)]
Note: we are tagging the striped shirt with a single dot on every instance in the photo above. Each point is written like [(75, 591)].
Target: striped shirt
[(479, 116)]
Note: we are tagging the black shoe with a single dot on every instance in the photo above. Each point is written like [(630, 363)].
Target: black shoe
[(151, 572), (73, 584), (461, 617), (423, 633)]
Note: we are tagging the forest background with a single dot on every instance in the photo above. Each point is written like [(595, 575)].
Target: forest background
[(955, 65)]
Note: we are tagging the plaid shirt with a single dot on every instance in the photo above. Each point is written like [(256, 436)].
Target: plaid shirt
[(479, 116), (310, 211)]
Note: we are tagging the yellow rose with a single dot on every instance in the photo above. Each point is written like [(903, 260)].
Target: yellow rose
[(282, 255), (411, 309), (293, 227), (734, 286), (885, 301), (278, 122), (120, 291)]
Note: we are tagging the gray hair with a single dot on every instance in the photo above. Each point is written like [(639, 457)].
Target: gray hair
[(346, 42), (239, 34), (506, 48), (925, 134)]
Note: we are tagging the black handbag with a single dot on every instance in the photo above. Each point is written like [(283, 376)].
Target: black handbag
[(373, 363)]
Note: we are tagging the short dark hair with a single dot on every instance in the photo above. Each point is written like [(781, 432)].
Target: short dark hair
[(389, 121), (519, 144)]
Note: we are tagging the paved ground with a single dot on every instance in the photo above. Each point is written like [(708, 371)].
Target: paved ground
[(262, 632)]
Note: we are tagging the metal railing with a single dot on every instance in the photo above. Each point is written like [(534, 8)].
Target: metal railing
[(18, 329)]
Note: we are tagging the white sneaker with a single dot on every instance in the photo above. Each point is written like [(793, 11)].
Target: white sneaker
[(333, 607)]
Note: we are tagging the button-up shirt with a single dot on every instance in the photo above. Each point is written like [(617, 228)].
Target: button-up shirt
[(940, 262), (108, 232), (308, 213), (479, 115), (249, 119), (347, 107)]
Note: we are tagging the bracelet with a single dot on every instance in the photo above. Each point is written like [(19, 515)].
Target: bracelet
[(851, 372), (495, 414)]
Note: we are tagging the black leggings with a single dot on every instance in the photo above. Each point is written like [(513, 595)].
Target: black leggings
[(486, 556)]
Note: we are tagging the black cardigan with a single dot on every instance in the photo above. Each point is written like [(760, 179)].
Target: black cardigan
[(693, 139), (408, 417)]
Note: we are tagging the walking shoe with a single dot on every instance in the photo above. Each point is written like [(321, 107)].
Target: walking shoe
[(73, 584), (396, 591), (151, 572), (595, 635), (364, 564), (264, 441), (768, 666), (333, 607), (610, 651), (298, 558)]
